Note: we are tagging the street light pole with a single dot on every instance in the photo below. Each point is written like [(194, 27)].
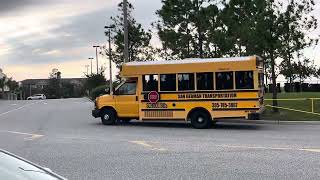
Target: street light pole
[(110, 57), (97, 58), (125, 24), (87, 67), (91, 63)]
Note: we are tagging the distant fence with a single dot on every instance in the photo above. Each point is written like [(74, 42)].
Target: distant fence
[(304, 105), (299, 109), (295, 87)]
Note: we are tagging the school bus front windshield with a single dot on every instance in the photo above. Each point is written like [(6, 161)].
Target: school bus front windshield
[(200, 91)]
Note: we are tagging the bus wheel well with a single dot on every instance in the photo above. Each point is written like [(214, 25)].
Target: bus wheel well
[(109, 107), (204, 110)]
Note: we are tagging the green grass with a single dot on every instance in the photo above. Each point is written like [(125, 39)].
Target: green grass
[(304, 105)]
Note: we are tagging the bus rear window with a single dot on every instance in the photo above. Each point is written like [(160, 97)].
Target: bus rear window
[(186, 82), (224, 80), (168, 82), (150, 82), (244, 80)]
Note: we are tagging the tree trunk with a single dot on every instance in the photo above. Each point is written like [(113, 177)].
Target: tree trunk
[(201, 44), (2, 92), (266, 76), (274, 84)]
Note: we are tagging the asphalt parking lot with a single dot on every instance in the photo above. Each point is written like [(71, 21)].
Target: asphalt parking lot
[(62, 135)]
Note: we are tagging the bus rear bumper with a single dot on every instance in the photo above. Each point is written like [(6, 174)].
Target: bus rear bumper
[(254, 116)]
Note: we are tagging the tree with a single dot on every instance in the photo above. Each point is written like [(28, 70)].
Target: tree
[(3, 84), (139, 39), (53, 90), (12, 85), (184, 27), (296, 23), (303, 69), (95, 80)]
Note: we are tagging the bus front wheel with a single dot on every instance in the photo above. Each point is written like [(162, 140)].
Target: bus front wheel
[(108, 117), (200, 119)]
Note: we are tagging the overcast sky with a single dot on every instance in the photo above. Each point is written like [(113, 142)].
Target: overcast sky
[(39, 35)]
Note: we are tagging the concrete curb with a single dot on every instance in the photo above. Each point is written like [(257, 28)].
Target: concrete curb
[(274, 122)]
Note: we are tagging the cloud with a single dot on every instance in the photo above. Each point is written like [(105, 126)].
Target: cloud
[(57, 29)]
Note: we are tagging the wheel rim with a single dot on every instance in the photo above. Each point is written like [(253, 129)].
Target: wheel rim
[(106, 117), (200, 119)]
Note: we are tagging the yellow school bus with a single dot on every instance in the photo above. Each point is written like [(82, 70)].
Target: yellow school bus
[(200, 91)]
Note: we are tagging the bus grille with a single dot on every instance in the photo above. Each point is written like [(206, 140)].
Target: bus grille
[(158, 113)]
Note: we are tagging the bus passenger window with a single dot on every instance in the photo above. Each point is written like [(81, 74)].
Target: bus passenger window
[(244, 80), (204, 81), (185, 82), (168, 82), (224, 80), (150, 82)]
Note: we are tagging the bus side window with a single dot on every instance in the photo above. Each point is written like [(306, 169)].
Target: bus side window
[(168, 82), (186, 82), (150, 82), (244, 80), (224, 80), (205, 81)]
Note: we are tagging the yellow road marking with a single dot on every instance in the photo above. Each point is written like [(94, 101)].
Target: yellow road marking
[(30, 136), (272, 148), (143, 143), (26, 105)]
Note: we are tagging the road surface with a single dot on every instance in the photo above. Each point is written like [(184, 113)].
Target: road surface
[(62, 135)]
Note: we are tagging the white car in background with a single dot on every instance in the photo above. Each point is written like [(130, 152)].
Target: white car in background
[(37, 97)]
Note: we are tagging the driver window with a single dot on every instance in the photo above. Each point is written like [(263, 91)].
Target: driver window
[(128, 88)]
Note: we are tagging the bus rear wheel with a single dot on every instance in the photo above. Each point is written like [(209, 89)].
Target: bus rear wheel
[(108, 117), (200, 120)]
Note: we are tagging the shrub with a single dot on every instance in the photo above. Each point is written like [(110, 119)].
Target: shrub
[(98, 91)]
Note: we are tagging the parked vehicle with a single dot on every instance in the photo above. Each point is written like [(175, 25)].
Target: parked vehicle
[(13, 167), (200, 91), (37, 97)]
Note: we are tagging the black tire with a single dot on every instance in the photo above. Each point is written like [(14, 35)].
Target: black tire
[(108, 117), (200, 119)]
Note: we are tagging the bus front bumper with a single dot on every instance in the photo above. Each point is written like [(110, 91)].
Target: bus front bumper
[(96, 113)]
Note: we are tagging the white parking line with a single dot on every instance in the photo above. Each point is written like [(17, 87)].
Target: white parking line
[(316, 150), (26, 105), (30, 136), (145, 144)]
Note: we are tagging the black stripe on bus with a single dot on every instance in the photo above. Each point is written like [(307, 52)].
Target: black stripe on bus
[(177, 109), (213, 91), (184, 100), (236, 109)]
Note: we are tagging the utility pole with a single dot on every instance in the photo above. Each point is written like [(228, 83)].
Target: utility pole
[(110, 57), (87, 67), (97, 58), (125, 24), (91, 63)]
